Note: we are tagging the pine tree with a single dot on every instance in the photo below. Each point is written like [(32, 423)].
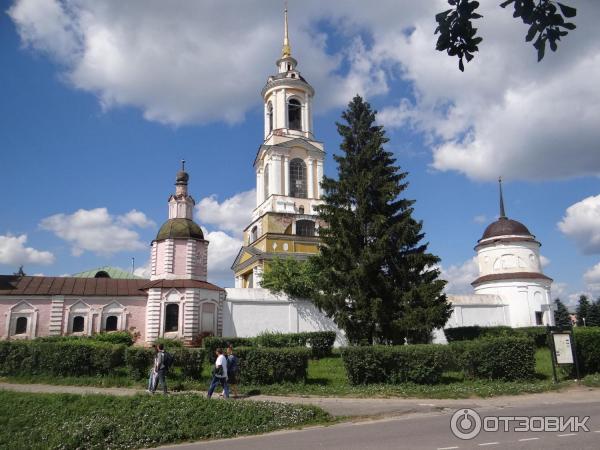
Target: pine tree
[(378, 282), (593, 314), (582, 310), (562, 318)]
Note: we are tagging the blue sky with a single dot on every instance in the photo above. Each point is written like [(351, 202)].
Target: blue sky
[(99, 104)]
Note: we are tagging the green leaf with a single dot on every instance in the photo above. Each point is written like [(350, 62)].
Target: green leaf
[(569, 26), (506, 3), (533, 29), (461, 66), (541, 48), (567, 11)]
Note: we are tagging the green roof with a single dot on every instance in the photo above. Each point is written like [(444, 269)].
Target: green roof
[(112, 272), (179, 228)]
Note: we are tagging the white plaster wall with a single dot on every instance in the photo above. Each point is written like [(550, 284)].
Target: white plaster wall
[(524, 298), (248, 312), (523, 256)]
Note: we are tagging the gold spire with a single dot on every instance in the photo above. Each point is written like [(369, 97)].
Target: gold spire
[(286, 51)]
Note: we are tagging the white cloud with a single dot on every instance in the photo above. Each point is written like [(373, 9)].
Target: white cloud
[(196, 62), (480, 219), (14, 252), (222, 250), (582, 224), (143, 271), (136, 218), (461, 276), (233, 214), (97, 231), (592, 280), (544, 261)]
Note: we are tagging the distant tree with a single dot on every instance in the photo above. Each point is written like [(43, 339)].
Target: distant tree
[(546, 20), (377, 281), (582, 310), (562, 318), (593, 314), (292, 277), (20, 272)]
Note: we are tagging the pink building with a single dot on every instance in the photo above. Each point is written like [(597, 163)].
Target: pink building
[(177, 302)]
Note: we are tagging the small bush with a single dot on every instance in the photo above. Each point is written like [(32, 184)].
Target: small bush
[(422, 364), (189, 361), (476, 332), (587, 344), (320, 342), (138, 361), (268, 365), (115, 337), (506, 358), (538, 334), (169, 343), (211, 344)]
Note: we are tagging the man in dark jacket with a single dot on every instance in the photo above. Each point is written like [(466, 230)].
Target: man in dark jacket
[(160, 368)]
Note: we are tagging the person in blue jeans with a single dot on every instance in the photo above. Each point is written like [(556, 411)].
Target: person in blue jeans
[(161, 369), (219, 375)]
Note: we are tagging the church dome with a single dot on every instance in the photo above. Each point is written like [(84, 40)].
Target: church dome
[(182, 177), (504, 227), (179, 228)]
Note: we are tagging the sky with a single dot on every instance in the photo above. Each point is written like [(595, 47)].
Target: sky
[(100, 100)]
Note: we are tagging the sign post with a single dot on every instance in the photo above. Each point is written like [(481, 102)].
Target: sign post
[(563, 350)]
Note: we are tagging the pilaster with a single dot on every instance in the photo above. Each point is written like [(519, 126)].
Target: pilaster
[(153, 312), (57, 307)]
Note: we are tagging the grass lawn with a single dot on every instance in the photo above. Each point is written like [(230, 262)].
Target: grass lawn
[(42, 421), (327, 377)]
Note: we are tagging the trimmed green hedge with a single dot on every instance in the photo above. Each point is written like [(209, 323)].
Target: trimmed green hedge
[(189, 360), (63, 358), (211, 344), (507, 358), (422, 364), (320, 342), (138, 361), (538, 334), (587, 344), (272, 365), (111, 337)]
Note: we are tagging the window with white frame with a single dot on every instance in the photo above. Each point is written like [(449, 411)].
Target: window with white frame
[(78, 320), (208, 321), (21, 321), (113, 317)]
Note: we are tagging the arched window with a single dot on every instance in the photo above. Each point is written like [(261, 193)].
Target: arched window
[(111, 323), (172, 317), (266, 180), (294, 115), (305, 228), (21, 325), (298, 178), (78, 324), (253, 234), (270, 114), (301, 210), (102, 274)]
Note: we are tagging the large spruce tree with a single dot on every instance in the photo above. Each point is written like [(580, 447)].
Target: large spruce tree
[(582, 310), (378, 282), (562, 318)]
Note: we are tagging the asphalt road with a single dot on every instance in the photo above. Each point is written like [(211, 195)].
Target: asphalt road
[(426, 431)]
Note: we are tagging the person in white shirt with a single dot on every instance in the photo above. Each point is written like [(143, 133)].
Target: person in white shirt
[(219, 374)]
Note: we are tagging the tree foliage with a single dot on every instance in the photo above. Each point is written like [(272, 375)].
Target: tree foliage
[(593, 315), (377, 280), (562, 317), (292, 277), (546, 20), (582, 310)]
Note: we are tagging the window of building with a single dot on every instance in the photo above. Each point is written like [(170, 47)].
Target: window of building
[(172, 317), (294, 115), (298, 178), (305, 228), (249, 280), (539, 318), (102, 274), (208, 321), (21, 325), (301, 210), (78, 324), (111, 323), (253, 234), (270, 114), (266, 180)]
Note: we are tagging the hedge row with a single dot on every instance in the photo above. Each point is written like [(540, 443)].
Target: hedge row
[(77, 357), (320, 342), (423, 364), (538, 334), (113, 337), (507, 358), (273, 365), (62, 358), (587, 344)]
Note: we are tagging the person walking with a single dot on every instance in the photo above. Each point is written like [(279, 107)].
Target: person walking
[(160, 367), (233, 371), (153, 378), (219, 375)]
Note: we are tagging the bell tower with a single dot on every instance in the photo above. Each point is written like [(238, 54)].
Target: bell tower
[(289, 170)]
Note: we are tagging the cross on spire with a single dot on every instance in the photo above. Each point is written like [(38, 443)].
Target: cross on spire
[(183, 165), (502, 212)]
